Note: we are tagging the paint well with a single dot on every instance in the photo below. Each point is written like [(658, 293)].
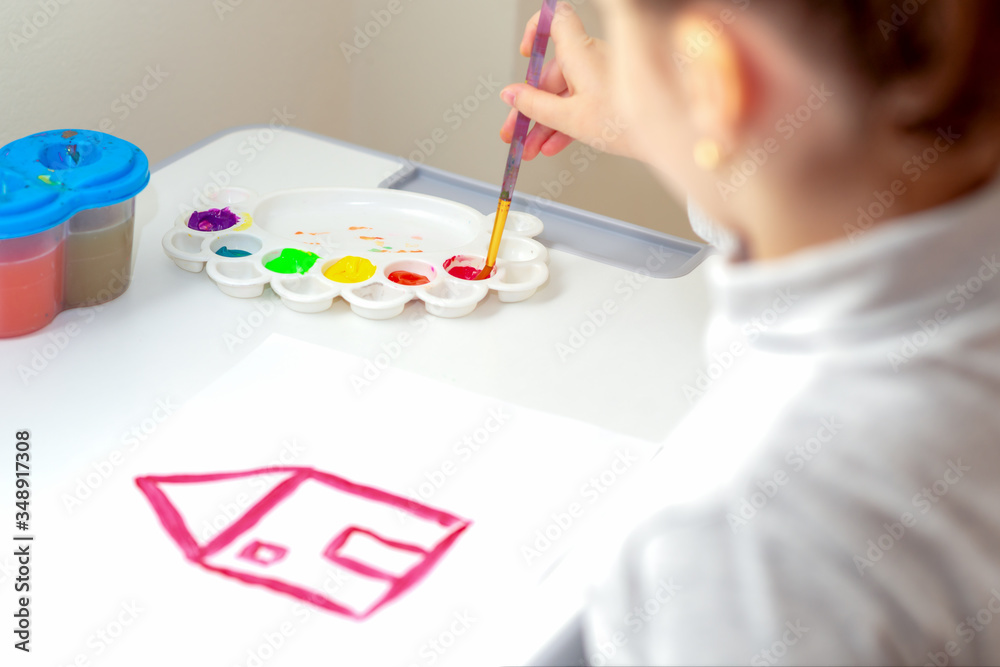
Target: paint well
[(213, 220), (235, 245), (350, 270), (465, 267), (292, 261)]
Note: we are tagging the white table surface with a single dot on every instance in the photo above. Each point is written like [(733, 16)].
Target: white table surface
[(96, 378), (99, 373)]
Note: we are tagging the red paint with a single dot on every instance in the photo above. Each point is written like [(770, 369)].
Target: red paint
[(408, 278), (465, 272), (31, 287), (265, 553)]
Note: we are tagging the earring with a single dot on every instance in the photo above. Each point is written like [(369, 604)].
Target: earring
[(707, 154)]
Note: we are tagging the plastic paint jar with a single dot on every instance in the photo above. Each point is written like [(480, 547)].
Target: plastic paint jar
[(67, 210)]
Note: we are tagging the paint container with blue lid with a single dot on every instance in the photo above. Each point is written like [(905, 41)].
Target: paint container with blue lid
[(67, 211)]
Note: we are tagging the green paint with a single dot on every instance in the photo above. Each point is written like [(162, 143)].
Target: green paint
[(292, 261)]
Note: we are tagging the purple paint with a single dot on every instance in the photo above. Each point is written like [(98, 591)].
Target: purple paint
[(213, 220)]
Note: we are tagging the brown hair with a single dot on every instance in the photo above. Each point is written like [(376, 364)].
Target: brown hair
[(889, 42)]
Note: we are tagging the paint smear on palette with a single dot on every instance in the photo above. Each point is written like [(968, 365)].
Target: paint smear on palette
[(348, 517), (212, 220), (292, 261), (353, 229), (245, 224), (350, 270), (408, 278)]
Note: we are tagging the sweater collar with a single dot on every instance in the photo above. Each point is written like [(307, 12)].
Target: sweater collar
[(887, 281)]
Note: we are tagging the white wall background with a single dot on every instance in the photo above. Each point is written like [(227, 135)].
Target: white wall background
[(167, 73)]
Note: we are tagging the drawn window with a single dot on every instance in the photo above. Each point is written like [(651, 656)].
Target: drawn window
[(263, 553), (372, 555)]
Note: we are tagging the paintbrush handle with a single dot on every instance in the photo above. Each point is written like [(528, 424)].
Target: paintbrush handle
[(517, 141), (534, 75)]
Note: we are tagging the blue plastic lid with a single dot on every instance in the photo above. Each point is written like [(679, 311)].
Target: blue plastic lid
[(48, 177)]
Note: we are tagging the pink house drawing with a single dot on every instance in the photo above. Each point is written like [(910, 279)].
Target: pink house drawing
[(342, 546)]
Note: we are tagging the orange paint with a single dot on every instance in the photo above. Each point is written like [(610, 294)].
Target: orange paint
[(356, 228), (408, 278), (371, 238)]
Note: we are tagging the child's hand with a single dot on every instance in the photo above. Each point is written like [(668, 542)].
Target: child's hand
[(573, 96)]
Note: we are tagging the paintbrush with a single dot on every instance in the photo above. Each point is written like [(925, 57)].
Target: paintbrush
[(517, 141)]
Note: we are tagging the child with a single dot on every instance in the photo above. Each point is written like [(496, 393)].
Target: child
[(833, 497)]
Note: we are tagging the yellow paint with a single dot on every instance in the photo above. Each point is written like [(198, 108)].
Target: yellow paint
[(350, 270), (247, 221), (44, 178)]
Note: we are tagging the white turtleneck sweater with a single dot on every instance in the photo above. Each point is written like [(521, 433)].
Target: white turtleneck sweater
[(834, 495)]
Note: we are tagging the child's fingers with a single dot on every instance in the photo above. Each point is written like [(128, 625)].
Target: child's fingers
[(528, 40), (553, 79), (540, 106), (568, 33), (556, 143), (536, 139), (564, 12), (507, 130)]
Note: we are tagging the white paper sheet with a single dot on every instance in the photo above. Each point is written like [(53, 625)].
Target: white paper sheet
[(115, 589)]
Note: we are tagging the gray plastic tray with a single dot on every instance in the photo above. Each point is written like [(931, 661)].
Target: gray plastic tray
[(573, 230)]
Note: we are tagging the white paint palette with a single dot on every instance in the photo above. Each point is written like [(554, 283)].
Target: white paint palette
[(368, 246)]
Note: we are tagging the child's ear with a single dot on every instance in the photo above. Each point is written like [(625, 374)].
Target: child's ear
[(715, 82), (949, 31)]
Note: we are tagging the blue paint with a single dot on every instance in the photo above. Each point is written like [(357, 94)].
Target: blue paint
[(231, 252)]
